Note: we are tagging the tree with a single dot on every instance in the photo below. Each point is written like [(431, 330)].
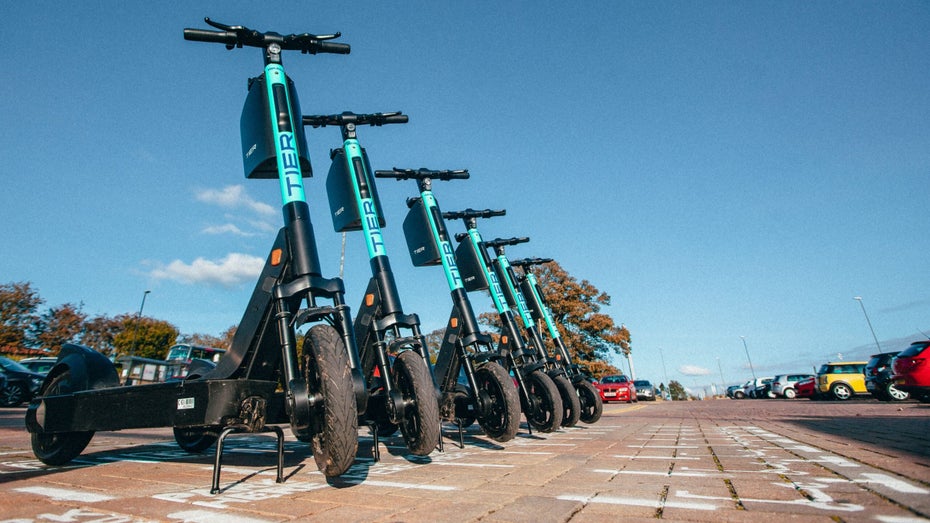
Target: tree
[(677, 390), (18, 312), (58, 325), (145, 337), (99, 333), (203, 340)]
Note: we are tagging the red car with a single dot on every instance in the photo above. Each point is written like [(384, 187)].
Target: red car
[(806, 387), (616, 388), (912, 370)]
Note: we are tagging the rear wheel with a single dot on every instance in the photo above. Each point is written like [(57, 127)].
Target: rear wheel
[(195, 439), (570, 402), (334, 425), (895, 394), (790, 393), (544, 406), (420, 424), (60, 448), (591, 405), (499, 414), (841, 391), (13, 395)]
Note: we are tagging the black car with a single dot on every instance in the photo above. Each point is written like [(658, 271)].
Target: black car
[(878, 378), (21, 383)]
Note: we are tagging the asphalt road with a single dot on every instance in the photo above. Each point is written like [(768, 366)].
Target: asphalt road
[(724, 460)]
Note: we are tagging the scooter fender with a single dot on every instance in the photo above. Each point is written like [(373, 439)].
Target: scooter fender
[(90, 370)]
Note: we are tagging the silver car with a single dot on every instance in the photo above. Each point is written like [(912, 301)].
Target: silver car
[(783, 386)]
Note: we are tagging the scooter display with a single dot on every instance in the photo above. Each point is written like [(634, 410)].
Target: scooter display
[(591, 404), (539, 396), (490, 396), (392, 350), (263, 378)]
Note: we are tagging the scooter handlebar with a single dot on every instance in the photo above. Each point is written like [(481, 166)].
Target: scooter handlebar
[(472, 213), (377, 119), (500, 242), (423, 173), (239, 36), (529, 262)]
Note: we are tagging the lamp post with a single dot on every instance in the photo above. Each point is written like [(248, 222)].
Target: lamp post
[(747, 356), (874, 337), (722, 382), (135, 330), (664, 371)]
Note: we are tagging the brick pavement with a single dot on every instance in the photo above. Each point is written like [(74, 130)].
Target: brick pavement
[(751, 460)]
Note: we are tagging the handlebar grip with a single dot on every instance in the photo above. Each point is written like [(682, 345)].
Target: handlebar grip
[(396, 118), (333, 48), (204, 35)]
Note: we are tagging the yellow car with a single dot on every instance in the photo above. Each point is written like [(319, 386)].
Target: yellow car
[(841, 380)]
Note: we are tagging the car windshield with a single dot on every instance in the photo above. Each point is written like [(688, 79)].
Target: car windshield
[(642, 383), (615, 379), (914, 350), (9, 364)]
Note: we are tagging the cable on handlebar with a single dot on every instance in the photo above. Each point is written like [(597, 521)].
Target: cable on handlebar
[(237, 36)]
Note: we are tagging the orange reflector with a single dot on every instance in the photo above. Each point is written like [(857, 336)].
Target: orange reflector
[(276, 257), (504, 340), (369, 300), (558, 357), (454, 322)]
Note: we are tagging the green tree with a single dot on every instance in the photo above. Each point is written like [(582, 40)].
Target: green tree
[(145, 337), (58, 325), (99, 333), (19, 304), (677, 390)]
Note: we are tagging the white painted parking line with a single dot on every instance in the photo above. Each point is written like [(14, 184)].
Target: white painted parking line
[(892, 483), (205, 516), (654, 457), (820, 501), (663, 446), (638, 502), (60, 494)]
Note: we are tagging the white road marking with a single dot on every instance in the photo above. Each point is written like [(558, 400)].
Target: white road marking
[(637, 502), (60, 494), (892, 483), (206, 516)]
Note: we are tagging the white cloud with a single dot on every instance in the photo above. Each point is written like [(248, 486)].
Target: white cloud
[(693, 370), (234, 197), (227, 228), (230, 271)]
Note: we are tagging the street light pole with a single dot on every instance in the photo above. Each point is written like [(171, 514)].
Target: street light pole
[(135, 330), (664, 371), (747, 356), (874, 337), (722, 382)]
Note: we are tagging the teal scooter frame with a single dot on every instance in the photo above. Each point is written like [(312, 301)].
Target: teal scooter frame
[(261, 380), (491, 397), (393, 352), (539, 396), (591, 405)]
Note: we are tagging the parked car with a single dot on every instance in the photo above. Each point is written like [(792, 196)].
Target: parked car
[(841, 380), (40, 365), (806, 388), (757, 387), (616, 388), (912, 370), (879, 378), (784, 385), (21, 383), (644, 390), (732, 389)]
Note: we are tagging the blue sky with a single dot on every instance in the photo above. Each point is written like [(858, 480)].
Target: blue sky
[(720, 169)]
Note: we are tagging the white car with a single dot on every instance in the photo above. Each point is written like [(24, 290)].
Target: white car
[(783, 386)]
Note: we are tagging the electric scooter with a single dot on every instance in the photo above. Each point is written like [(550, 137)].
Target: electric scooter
[(490, 397), (591, 404), (539, 397), (395, 364), (262, 379)]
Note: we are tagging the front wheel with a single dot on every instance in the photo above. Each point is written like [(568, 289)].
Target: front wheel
[(591, 405), (499, 414), (841, 392), (12, 396), (195, 439), (420, 423), (543, 408), (59, 448), (334, 425), (790, 394), (570, 402)]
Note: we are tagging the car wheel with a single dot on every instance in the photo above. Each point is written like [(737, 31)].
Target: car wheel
[(841, 391), (13, 396), (739, 395), (790, 394), (895, 394)]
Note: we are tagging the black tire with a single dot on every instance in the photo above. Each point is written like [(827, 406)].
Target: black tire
[(543, 409), (591, 405), (195, 439), (464, 405), (571, 404), (420, 425), (893, 393), (841, 391), (59, 449), (334, 424), (500, 415), (13, 395)]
